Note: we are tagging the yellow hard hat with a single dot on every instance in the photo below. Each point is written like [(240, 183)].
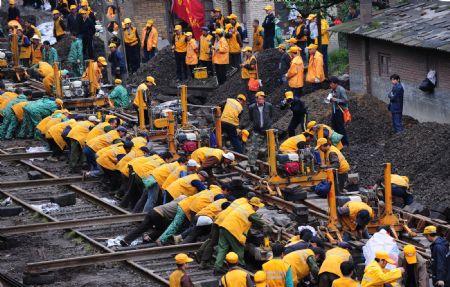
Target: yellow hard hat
[(430, 229), (321, 142), (312, 46), (127, 21), (292, 40), (232, 258), (177, 27), (289, 95), (59, 102), (247, 49), (151, 80), (102, 61), (244, 135), (82, 12), (149, 23), (232, 16), (260, 93), (255, 201), (294, 49), (117, 81), (228, 26), (54, 12), (112, 45), (12, 2), (311, 16), (241, 97), (84, 3), (268, 7), (182, 258), (188, 34), (260, 279), (311, 124), (217, 10), (281, 46), (410, 254), (72, 7), (384, 256), (218, 31)]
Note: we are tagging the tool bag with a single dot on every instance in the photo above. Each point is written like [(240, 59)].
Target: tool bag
[(200, 73), (254, 84), (347, 114)]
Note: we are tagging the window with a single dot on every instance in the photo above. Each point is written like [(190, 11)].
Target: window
[(384, 62), (433, 64)]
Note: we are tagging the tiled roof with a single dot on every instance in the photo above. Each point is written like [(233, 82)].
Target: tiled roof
[(416, 24)]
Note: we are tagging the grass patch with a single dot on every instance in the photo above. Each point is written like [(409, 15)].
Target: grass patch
[(338, 62)]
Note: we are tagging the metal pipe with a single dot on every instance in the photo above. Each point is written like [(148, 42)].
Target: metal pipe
[(171, 132), (184, 107), (218, 123), (271, 150)]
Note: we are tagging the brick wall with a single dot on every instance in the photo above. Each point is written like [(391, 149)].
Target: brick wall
[(412, 64), (139, 11), (255, 10)]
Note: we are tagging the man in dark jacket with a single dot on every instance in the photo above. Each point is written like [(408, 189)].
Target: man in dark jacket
[(339, 101), (13, 11), (285, 63), (118, 66), (261, 115), (415, 267), (440, 263), (269, 28), (87, 32), (301, 34), (72, 21), (396, 103), (299, 112)]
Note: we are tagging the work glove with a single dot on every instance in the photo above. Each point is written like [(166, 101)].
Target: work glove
[(316, 80), (78, 61), (440, 283)]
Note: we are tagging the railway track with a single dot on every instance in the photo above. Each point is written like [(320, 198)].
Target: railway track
[(92, 219)]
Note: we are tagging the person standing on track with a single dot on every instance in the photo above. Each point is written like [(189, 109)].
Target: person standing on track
[(180, 278)]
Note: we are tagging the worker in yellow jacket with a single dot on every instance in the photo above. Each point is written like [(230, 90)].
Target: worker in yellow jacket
[(258, 37), (355, 216), (191, 54), (179, 277), (249, 70), (179, 47), (325, 131), (347, 268), (234, 224), (330, 269), (324, 26), (315, 74), (36, 50), (295, 75), (303, 263), (131, 41), (149, 42), (334, 159), (187, 185), (278, 272), (55, 139), (58, 26), (143, 98), (295, 143), (220, 56), (375, 274), (98, 67), (230, 119), (235, 276), (212, 157), (99, 129), (399, 188), (235, 43), (205, 55)]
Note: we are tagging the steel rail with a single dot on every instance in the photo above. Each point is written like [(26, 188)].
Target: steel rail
[(135, 255), (70, 224), (25, 155), (46, 182)]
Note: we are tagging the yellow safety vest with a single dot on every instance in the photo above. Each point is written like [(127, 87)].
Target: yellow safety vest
[(175, 278), (234, 44), (221, 52), (55, 132), (258, 39), (344, 167), (25, 52), (108, 159), (212, 209), (173, 176), (246, 73), (140, 94), (49, 123), (139, 142), (59, 31), (122, 165), (297, 31), (5, 98), (162, 172), (234, 278), (276, 270), (144, 166), (224, 213), (36, 54), (205, 48), (237, 222), (290, 145), (295, 73), (299, 265), (99, 129), (180, 43), (130, 37), (45, 69), (204, 198), (200, 154), (80, 131), (102, 141), (191, 53), (333, 259), (375, 276), (231, 112), (354, 207), (18, 110), (345, 282), (400, 180), (183, 186)]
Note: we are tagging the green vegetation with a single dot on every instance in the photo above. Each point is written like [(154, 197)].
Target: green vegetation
[(338, 62)]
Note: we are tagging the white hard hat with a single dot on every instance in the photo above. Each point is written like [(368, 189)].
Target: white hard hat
[(229, 155), (192, 163), (35, 36), (93, 119), (2, 55)]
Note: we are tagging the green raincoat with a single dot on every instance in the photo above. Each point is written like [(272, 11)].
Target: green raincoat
[(120, 97), (10, 122)]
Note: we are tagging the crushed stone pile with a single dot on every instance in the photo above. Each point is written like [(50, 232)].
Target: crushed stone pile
[(63, 48)]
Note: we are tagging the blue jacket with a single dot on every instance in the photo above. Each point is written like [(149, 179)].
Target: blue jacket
[(439, 266), (396, 99)]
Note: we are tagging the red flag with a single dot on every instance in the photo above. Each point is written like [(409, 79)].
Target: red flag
[(192, 12)]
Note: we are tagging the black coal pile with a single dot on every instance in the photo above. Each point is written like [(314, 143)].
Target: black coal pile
[(161, 67), (63, 48)]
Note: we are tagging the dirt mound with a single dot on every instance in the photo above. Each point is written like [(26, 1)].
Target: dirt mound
[(161, 67), (63, 48)]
